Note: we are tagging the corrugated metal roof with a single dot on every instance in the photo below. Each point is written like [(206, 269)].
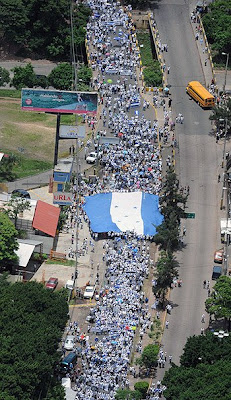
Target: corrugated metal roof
[(24, 253), (46, 218)]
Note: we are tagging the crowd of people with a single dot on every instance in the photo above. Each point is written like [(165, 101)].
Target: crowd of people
[(132, 163), (121, 310)]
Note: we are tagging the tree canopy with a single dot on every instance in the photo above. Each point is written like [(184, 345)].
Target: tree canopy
[(42, 27), (219, 303), (149, 356), (15, 206), (23, 77), (207, 349), (172, 204), (222, 112), (4, 76), (204, 372), (31, 323), (8, 242), (217, 24), (166, 269)]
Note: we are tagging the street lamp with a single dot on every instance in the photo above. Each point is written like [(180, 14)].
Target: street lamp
[(226, 68)]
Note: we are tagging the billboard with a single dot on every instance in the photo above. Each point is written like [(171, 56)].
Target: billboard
[(59, 101), (71, 131), (62, 198)]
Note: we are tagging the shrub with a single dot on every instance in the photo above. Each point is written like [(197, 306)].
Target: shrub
[(142, 387)]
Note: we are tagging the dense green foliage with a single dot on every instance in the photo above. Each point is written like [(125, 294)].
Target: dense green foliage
[(204, 372), (219, 303), (207, 349), (142, 387), (203, 382), (15, 206), (62, 77), (152, 72), (217, 24), (149, 356), (6, 168), (8, 242), (23, 77), (221, 113), (31, 323), (166, 269), (42, 28), (172, 204), (4, 76)]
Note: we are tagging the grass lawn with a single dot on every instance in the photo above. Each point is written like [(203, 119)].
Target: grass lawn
[(30, 135), (144, 39), (34, 166), (152, 72)]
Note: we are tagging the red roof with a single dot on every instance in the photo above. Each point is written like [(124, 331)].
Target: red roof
[(46, 218)]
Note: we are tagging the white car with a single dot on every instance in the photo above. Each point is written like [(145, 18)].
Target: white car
[(91, 158), (89, 292), (69, 343)]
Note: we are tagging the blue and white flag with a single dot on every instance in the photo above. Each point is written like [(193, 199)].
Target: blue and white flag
[(121, 212)]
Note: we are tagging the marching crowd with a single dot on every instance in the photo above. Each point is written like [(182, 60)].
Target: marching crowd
[(132, 164)]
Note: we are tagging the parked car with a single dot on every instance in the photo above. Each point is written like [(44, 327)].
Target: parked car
[(217, 271), (91, 158), (68, 363), (21, 193), (218, 256), (52, 283), (89, 292), (69, 343)]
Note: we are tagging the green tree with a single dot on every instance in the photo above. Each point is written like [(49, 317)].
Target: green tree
[(166, 269), (84, 75), (202, 382), (8, 242), (149, 356), (15, 206), (32, 320), (61, 77), (4, 76), (23, 77), (207, 349), (172, 201), (142, 387), (219, 303), (14, 18), (221, 113), (167, 235), (6, 168), (42, 27), (172, 204), (217, 24)]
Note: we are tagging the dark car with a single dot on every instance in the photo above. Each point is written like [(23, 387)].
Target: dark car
[(21, 193), (217, 271), (52, 283)]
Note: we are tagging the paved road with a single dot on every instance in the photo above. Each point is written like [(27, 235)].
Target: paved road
[(196, 167)]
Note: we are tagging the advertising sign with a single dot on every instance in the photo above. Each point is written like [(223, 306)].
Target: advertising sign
[(71, 131), (62, 198), (59, 101)]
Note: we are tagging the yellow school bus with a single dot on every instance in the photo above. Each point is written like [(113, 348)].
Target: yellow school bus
[(200, 94)]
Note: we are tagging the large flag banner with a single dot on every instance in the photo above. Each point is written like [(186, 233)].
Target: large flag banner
[(121, 212)]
